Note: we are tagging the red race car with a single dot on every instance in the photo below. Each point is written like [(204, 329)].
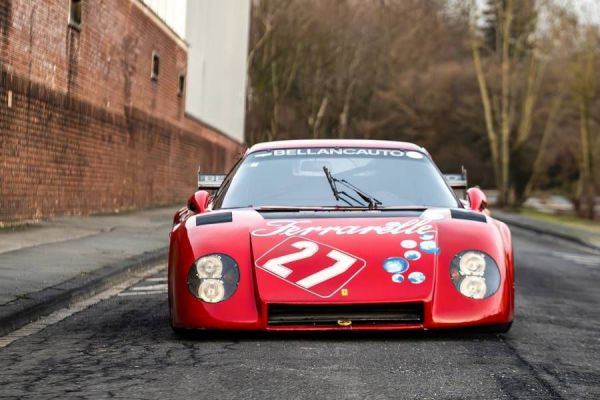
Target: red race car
[(338, 235)]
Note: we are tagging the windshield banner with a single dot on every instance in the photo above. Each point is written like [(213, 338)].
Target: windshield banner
[(341, 151)]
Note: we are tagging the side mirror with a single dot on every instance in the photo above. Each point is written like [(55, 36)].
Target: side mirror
[(198, 202), (477, 199)]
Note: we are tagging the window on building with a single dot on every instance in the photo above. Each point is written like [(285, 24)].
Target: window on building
[(181, 84), (75, 13), (155, 66)]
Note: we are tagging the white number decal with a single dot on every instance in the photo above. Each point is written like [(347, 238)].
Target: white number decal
[(343, 262), (277, 265), (307, 249)]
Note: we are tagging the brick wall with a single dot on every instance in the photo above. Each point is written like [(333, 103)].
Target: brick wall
[(83, 128)]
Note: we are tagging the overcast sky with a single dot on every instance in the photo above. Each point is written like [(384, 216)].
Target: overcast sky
[(588, 10)]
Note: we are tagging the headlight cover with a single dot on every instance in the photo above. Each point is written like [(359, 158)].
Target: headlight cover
[(475, 274), (213, 278)]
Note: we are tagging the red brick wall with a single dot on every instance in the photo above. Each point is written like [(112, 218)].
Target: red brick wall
[(87, 130)]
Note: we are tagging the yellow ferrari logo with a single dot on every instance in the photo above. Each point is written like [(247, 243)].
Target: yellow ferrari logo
[(344, 322), (344, 292)]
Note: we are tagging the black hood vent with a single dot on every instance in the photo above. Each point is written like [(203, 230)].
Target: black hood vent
[(457, 213), (217, 218)]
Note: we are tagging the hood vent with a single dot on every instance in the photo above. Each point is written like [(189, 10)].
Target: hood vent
[(468, 215), (217, 218)]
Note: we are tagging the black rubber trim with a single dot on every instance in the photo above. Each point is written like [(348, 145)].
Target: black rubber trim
[(337, 214), (468, 215), (217, 218)]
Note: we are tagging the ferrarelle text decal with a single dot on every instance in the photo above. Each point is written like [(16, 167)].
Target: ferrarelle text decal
[(295, 228)]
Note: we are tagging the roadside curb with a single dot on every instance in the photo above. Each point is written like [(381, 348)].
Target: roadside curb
[(18, 313), (524, 224)]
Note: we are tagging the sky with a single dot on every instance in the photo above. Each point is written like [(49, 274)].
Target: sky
[(172, 12), (588, 10)]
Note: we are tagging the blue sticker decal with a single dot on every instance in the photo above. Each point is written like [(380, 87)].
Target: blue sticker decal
[(412, 255), (426, 236), (395, 265), (408, 244), (398, 278), (416, 277), (429, 246)]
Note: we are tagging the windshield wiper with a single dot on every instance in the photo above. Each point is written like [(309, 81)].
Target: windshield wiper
[(372, 201), (337, 193)]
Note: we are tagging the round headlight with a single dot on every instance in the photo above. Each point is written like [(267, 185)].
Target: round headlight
[(475, 274), (472, 263), (213, 278), (209, 266), (211, 290), (473, 287)]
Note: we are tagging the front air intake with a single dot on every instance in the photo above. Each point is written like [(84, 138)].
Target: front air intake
[(349, 314)]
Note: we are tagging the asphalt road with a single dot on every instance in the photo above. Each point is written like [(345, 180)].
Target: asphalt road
[(124, 348)]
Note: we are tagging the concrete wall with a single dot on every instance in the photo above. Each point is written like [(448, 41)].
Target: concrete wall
[(217, 33)]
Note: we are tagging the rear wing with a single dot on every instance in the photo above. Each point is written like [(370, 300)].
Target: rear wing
[(209, 181), (457, 181)]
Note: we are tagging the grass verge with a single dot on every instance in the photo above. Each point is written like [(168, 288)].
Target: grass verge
[(569, 220)]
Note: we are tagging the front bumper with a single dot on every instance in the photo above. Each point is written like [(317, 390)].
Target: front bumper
[(331, 316)]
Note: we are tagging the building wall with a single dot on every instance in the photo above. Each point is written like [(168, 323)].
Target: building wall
[(217, 33), (83, 128)]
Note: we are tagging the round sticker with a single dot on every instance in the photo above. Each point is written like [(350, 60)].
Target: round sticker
[(426, 236), (408, 244), (429, 246), (414, 154), (395, 265), (398, 278), (412, 255), (416, 277)]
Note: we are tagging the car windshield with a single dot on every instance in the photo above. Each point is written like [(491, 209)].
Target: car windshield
[(297, 178)]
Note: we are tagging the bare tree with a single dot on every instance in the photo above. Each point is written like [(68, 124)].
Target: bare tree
[(585, 93), (506, 98), (509, 115)]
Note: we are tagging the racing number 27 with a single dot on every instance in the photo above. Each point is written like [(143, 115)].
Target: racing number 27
[(307, 249)]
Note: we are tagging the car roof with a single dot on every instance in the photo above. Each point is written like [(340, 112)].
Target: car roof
[(287, 144)]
